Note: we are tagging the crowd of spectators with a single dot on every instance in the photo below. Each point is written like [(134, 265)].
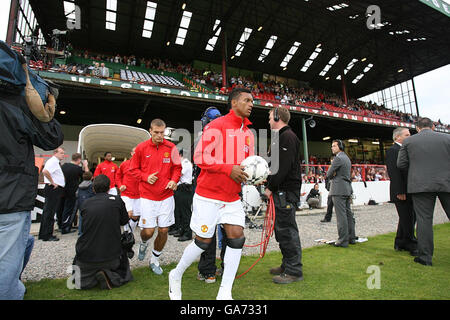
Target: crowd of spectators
[(280, 93), (262, 90), (361, 170)]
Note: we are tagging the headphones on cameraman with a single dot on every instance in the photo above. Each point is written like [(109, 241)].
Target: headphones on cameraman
[(276, 116), (340, 144), (206, 119)]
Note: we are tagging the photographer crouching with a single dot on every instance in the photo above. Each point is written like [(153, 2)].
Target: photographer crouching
[(100, 256)]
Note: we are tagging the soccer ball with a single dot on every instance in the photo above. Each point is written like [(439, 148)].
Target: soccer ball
[(257, 169)]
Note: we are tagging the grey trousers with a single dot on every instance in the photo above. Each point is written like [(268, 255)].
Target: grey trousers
[(345, 219), (424, 203)]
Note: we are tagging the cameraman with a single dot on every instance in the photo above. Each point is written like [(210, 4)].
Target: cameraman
[(20, 129), (285, 187)]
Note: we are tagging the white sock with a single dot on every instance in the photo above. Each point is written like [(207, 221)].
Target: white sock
[(231, 265), (190, 254), (155, 257)]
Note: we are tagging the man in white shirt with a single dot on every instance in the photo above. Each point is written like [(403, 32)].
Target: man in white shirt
[(53, 191), (183, 200), (104, 71)]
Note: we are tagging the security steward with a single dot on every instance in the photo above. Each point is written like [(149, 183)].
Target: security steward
[(183, 199), (284, 185)]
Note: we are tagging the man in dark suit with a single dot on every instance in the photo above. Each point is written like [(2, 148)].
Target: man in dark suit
[(426, 156), (341, 191), (405, 239)]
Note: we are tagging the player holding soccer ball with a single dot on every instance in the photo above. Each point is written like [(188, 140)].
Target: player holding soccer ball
[(284, 185), (225, 142)]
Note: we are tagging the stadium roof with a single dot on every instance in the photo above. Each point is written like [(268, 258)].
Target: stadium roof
[(320, 37)]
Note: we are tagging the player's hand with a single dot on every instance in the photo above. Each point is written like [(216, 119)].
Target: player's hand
[(238, 174), (401, 197), (268, 193), (122, 188), (172, 185), (152, 178)]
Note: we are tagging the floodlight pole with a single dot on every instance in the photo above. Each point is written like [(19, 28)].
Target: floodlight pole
[(12, 22), (224, 59), (305, 145), (344, 89), (415, 95)]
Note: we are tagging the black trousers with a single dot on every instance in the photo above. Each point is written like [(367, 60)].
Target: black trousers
[(52, 199), (330, 206), (286, 234), (405, 239), (68, 211), (207, 263), (118, 272), (424, 203), (183, 210)]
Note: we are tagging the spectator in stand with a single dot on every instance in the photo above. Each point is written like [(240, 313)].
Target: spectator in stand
[(73, 70), (96, 71), (104, 71)]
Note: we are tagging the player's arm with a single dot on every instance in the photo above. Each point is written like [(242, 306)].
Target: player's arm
[(119, 178), (135, 165), (175, 170)]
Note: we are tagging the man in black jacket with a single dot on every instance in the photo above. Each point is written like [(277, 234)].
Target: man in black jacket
[(19, 131), (404, 239), (284, 185), (99, 253)]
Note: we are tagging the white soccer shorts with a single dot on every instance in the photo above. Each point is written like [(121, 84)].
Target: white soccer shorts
[(157, 213), (208, 213), (132, 205)]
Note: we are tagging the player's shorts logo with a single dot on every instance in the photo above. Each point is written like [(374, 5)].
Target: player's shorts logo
[(143, 221), (204, 228)]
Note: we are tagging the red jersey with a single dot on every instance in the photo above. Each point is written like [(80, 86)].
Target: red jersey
[(150, 158), (109, 169), (225, 142), (129, 178)]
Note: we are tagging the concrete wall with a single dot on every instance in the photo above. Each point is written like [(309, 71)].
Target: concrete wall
[(376, 190)]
